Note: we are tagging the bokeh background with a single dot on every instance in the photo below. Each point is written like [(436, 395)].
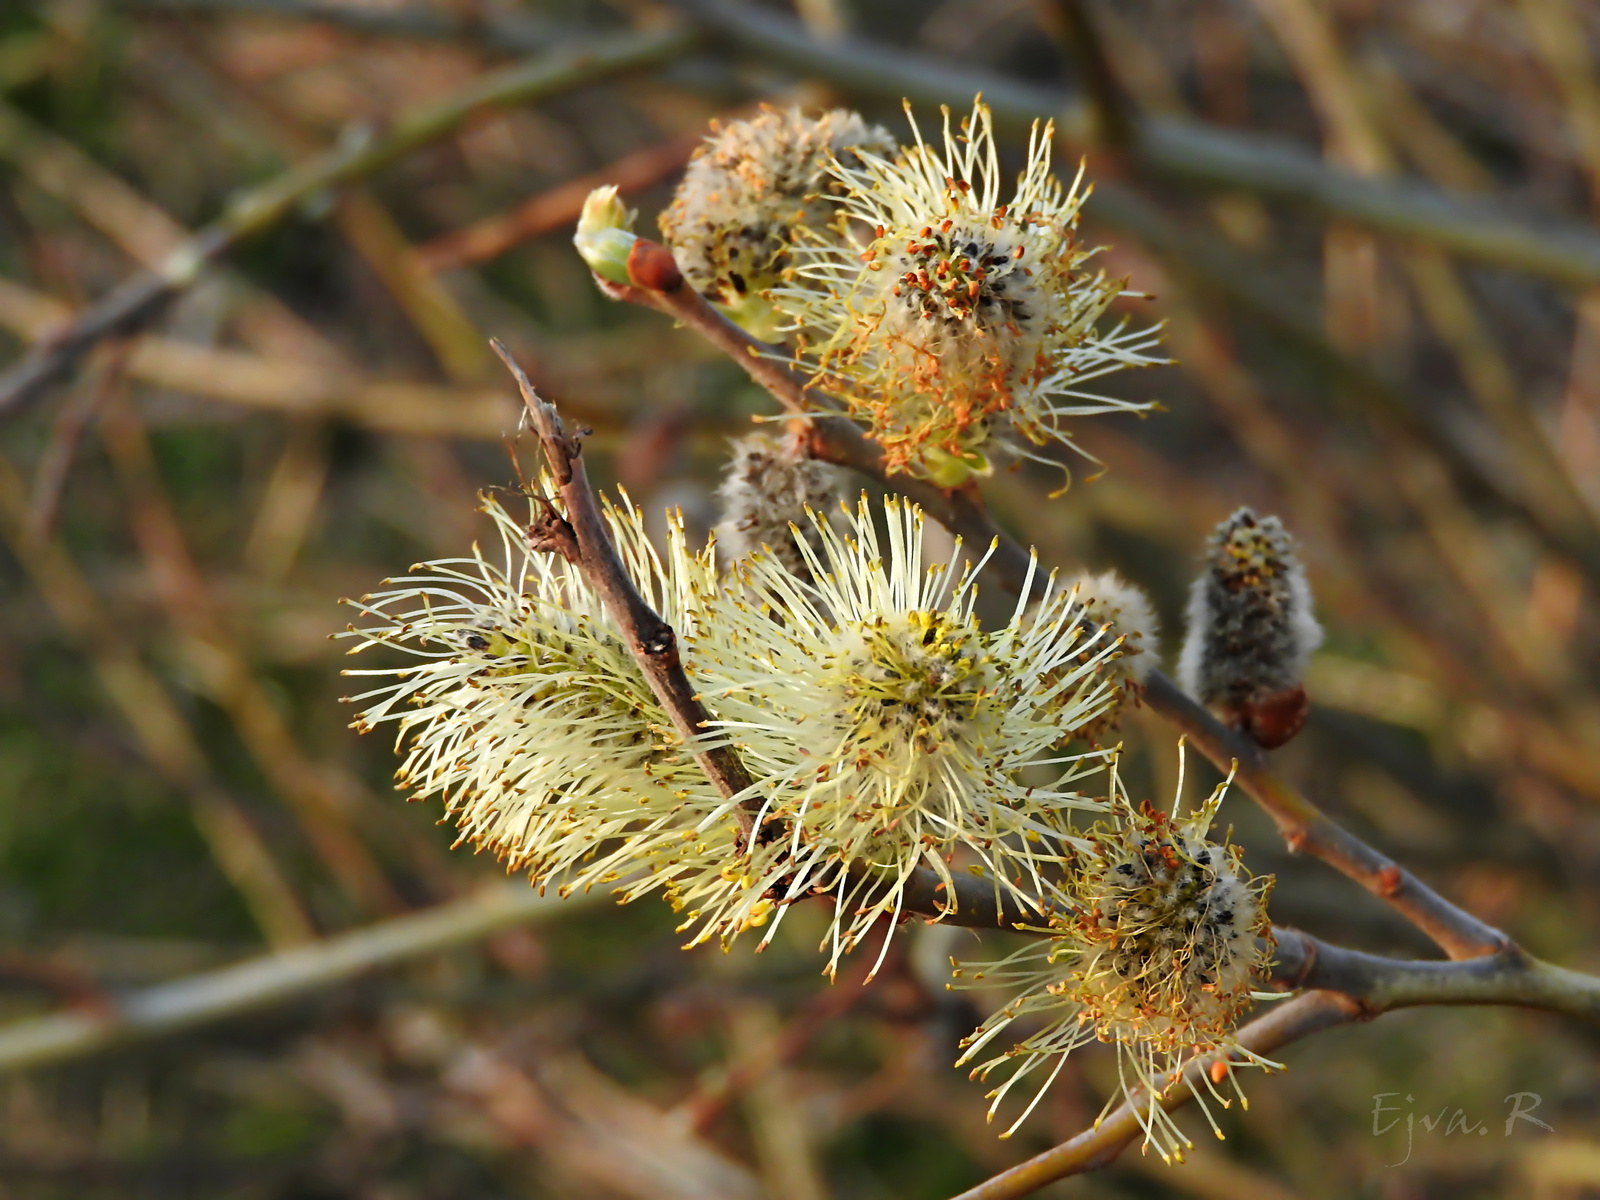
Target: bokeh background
[(183, 508)]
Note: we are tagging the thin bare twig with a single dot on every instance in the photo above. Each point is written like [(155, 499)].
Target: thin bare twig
[(701, 1108), (1305, 827), (131, 307), (54, 467), (1098, 1146), (274, 978), (581, 537)]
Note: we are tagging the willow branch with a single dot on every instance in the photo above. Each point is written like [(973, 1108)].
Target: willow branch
[(1304, 826), (1379, 985), (271, 979), (1307, 829), (141, 300), (581, 536), (1097, 1147)]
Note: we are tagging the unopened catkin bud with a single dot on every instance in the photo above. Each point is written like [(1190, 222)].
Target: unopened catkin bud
[(747, 190), (605, 236), (1121, 636), (1124, 612), (1251, 630), (770, 483)]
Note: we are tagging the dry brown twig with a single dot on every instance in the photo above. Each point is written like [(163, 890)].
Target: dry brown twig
[(1306, 828), (556, 208), (135, 304), (320, 798), (581, 538)]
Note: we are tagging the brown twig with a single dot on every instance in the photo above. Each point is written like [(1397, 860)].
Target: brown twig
[(581, 536), (556, 208), (1191, 150), (66, 432), (1096, 1147), (134, 305), (1305, 827), (831, 438)]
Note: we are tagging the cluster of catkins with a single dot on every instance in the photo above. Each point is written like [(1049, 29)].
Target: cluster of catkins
[(956, 319), (892, 738), (887, 732)]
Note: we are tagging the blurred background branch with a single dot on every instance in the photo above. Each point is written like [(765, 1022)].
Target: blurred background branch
[(1369, 229)]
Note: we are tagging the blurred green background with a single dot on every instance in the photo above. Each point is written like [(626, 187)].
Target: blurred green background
[(183, 508)]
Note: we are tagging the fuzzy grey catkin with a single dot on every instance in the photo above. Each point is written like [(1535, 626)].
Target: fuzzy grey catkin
[(1112, 602), (746, 191), (767, 489), (1251, 629), (1120, 633)]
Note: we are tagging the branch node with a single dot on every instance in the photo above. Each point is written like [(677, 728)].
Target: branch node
[(550, 532), (660, 642)]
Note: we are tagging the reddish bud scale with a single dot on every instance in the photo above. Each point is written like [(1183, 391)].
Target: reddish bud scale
[(1275, 721), (652, 267)]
